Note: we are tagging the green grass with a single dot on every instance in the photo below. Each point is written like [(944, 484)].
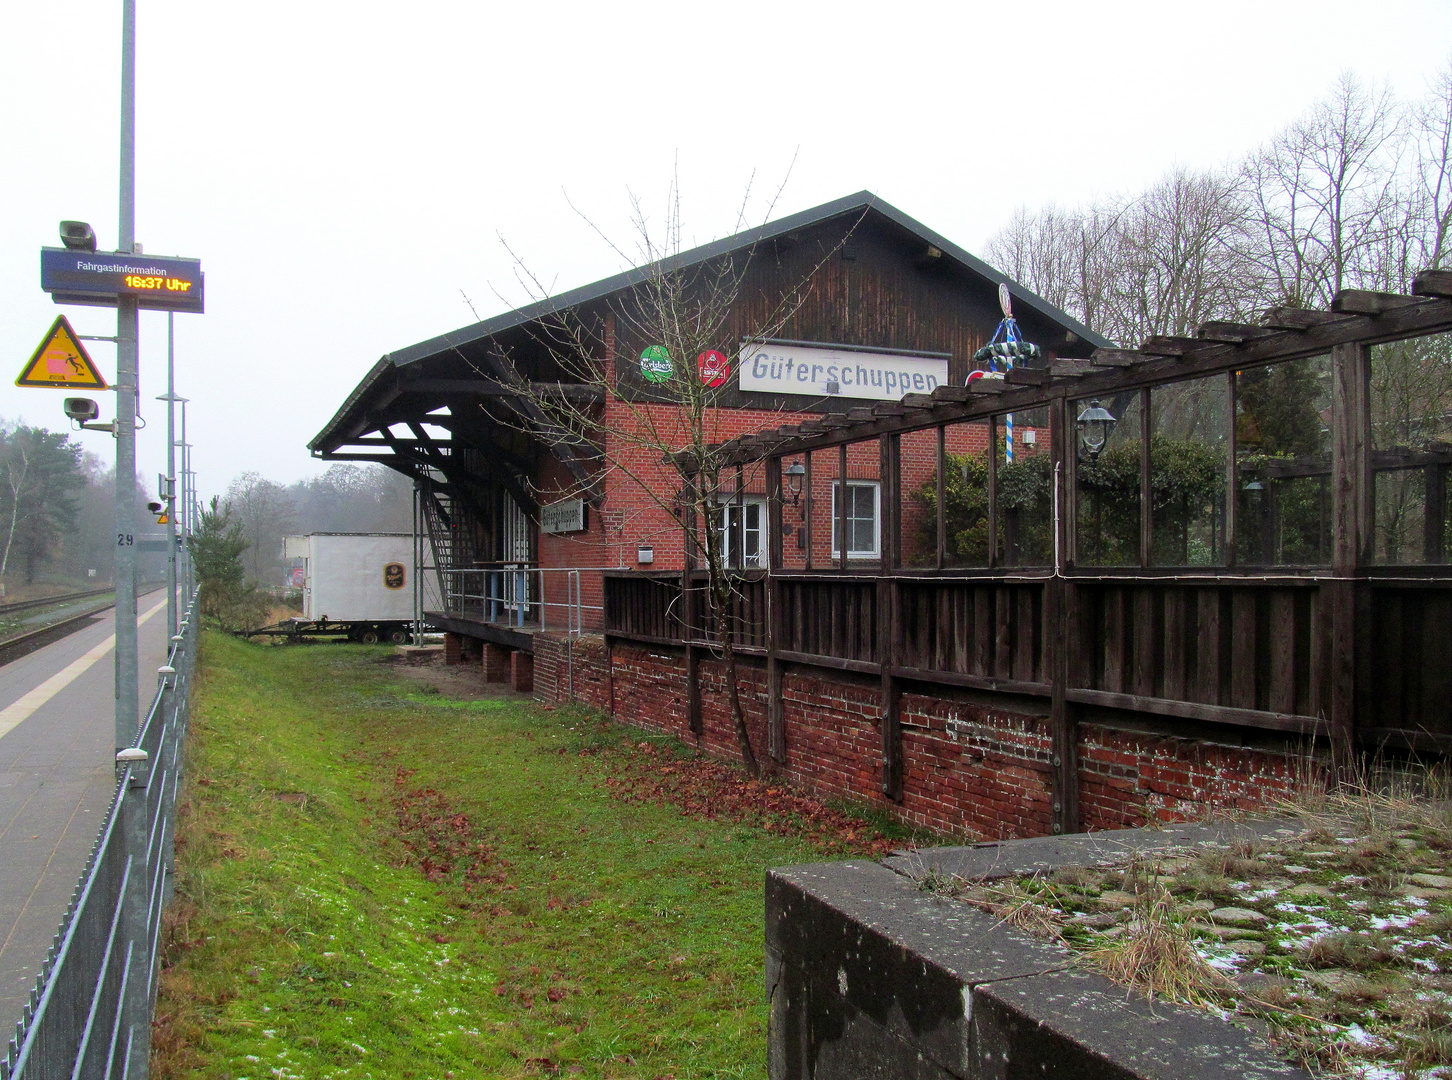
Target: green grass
[(494, 912)]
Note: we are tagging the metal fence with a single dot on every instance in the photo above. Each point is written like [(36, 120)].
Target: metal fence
[(89, 1014)]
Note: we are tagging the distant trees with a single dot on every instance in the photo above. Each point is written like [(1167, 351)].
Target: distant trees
[(40, 472), (263, 513), (1356, 193), (346, 498), (216, 548)]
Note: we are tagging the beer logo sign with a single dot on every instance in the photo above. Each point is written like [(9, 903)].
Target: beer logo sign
[(655, 364), (393, 577), (714, 368)]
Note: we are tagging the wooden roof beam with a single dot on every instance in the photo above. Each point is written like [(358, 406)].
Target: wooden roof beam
[(1022, 376), (1290, 318), (1162, 345), (1119, 358), (1231, 333), (1433, 283), (1362, 302)]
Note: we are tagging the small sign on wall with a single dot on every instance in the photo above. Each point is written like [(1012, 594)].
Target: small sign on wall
[(564, 516)]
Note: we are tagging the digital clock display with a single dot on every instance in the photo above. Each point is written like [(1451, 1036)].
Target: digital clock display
[(136, 281), (100, 278)]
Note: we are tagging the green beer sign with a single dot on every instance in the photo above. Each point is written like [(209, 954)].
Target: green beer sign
[(655, 364)]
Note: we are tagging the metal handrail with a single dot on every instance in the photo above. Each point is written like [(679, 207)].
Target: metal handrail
[(89, 1014), (508, 591)]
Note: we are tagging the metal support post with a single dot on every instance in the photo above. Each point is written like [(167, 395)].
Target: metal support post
[(135, 915), (126, 372), (169, 495)]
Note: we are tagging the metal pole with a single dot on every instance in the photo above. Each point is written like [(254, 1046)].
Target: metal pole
[(126, 369), (169, 500), (188, 518)]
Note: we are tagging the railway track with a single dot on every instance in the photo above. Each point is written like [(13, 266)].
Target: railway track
[(13, 648), (51, 601)]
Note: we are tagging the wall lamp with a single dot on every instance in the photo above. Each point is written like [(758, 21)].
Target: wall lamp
[(1095, 423), (794, 473)]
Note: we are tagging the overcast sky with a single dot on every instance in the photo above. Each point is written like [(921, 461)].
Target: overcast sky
[(345, 170)]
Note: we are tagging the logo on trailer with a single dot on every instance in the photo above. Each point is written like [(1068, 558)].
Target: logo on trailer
[(393, 576)]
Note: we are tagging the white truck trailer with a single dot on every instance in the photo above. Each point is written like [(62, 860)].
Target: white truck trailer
[(354, 585)]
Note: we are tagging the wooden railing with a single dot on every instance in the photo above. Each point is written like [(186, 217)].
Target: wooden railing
[(1223, 650)]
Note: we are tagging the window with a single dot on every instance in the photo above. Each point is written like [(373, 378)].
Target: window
[(862, 511), (740, 524)]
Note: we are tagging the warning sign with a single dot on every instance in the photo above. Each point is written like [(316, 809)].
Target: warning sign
[(61, 362)]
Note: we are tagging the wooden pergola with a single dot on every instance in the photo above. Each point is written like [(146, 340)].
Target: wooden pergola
[(1349, 650)]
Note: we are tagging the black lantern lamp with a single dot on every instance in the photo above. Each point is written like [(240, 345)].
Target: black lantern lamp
[(794, 473), (1095, 423)]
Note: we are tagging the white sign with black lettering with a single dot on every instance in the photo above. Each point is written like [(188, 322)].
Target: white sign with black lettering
[(565, 516), (822, 371)]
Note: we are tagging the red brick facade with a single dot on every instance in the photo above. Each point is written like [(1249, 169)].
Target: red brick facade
[(968, 768)]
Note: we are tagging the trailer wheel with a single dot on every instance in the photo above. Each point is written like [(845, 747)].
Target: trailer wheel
[(398, 636), (369, 636)]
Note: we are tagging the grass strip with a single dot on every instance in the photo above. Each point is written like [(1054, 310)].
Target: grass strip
[(375, 880)]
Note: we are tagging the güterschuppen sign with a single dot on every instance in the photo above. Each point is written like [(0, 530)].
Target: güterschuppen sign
[(822, 371)]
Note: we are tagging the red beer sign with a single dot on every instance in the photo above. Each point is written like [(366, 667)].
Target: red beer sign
[(714, 368)]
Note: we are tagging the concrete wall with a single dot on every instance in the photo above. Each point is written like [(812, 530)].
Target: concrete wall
[(869, 976)]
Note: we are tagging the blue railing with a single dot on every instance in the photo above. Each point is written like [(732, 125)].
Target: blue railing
[(89, 1014)]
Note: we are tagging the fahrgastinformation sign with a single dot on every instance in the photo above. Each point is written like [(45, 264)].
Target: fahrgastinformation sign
[(97, 278), (826, 371), (61, 362), (564, 516)]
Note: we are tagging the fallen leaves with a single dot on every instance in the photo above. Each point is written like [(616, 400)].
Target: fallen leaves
[(704, 788)]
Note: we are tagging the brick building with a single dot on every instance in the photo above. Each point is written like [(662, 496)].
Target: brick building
[(512, 506)]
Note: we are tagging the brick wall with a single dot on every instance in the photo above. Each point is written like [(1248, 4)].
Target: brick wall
[(969, 767)]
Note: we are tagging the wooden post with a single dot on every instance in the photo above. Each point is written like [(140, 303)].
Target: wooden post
[(775, 708), (1434, 515), (1232, 489), (689, 619), (993, 557), (1059, 617), (942, 495), (841, 514), (807, 509), (1146, 505), (887, 612), (1350, 531)]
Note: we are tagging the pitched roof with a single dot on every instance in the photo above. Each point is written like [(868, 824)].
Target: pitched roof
[(861, 202)]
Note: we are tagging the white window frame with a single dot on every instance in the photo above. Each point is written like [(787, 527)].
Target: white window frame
[(723, 532), (876, 552)]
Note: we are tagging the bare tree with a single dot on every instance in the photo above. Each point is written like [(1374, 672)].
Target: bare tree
[(1432, 135), (1325, 192), (1180, 257), (663, 432), (264, 512)]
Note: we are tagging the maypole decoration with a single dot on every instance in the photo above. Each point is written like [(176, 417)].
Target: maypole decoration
[(1007, 345)]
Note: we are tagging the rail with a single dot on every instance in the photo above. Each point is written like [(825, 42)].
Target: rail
[(517, 595), (89, 1014), (52, 601)]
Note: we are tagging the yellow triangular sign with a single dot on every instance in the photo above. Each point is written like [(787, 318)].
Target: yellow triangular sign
[(163, 520), (61, 362)]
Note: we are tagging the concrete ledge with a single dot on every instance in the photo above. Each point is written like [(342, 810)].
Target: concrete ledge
[(1010, 858), (869, 976)]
